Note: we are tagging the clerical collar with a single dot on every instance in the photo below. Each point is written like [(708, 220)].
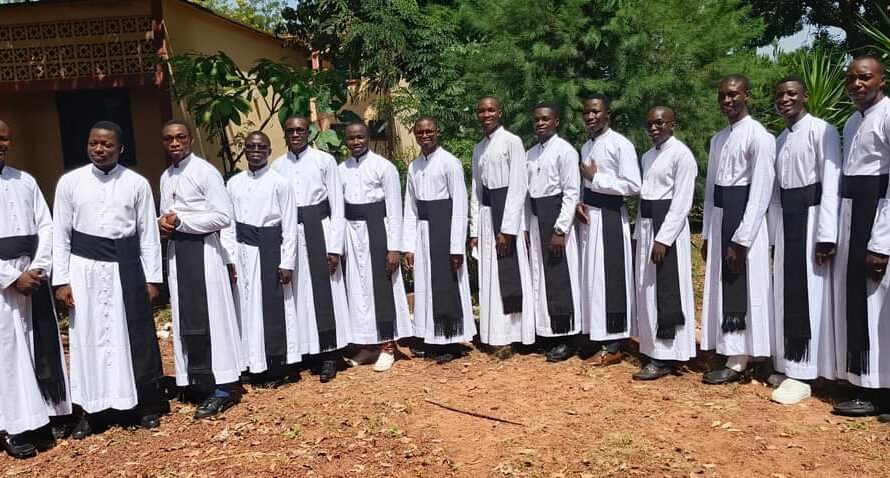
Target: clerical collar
[(874, 107), (601, 135), (363, 156), (665, 144), (100, 172), (258, 172), (428, 156), (300, 155), (738, 123), (543, 144), (184, 162), (800, 122), (496, 132)]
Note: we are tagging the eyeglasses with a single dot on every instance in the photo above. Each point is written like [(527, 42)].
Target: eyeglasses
[(179, 138), (256, 147), (290, 131)]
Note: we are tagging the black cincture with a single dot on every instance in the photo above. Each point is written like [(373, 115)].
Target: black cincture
[(560, 304), (796, 203), (144, 351), (447, 311), (311, 218), (614, 262), (509, 279), (732, 200), (268, 240), (194, 317), (48, 360), (374, 215), (668, 302), (864, 192)]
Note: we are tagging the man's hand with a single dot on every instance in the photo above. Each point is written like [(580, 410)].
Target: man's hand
[(152, 291), (285, 275), (581, 213), (472, 243), (457, 260), (704, 250), (166, 224), (876, 265), (736, 258), (557, 245), (658, 252), (503, 242), (588, 170), (233, 273), (28, 281), (392, 262), (333, 263), (409, 261), (824, 252), (64, 295)]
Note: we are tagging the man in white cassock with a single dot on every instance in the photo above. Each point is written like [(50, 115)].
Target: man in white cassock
[(434, 237), (33, 367), (611, 173), (737, 314), (665, 307), (195, 208), (803, 217), (261, 242), (554, 184), (318, 285), (861, 282), (106, 265), (378, 306), (497, 219)]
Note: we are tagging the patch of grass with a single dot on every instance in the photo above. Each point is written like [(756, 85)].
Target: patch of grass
[(293, 432)]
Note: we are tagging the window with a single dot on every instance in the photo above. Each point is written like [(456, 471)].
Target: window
[(80, 110)]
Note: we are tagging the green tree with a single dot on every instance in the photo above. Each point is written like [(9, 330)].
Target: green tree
[(787, 17), (261, 14)]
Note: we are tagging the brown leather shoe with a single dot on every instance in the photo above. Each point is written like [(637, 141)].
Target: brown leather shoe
[(604, 358)]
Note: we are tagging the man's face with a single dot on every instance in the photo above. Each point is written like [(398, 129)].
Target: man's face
[(596, 117), (545, 122), (488, 112), (864, 81), (790, 99), (296, 133), (660, 125), (104, 148), (357, 140), (177, 142), (257, 150), (426, 133), (733, 98), (5, 141)]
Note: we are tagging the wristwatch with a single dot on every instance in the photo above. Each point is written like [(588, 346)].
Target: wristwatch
[(558, 232), (176, 223)]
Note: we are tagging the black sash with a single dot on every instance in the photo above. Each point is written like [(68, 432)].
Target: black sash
[(194, 317), (557, 281), (448, 316), (733, 200), (864, 191), (144, 351), (317, 254), (508, 264), (384, 303), (48, 360), (796, 203), (268, 241), (614, 262), (668, 303)]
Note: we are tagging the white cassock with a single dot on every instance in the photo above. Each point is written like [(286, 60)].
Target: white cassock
[(552, 169), (807, 154), (668, 174), (195, 191), (112, 205), (22, 405), (617, 174), (314, 178), (866, 153), (499, 162), (742, 154), (262, 198), (372, 179), (438, 176)]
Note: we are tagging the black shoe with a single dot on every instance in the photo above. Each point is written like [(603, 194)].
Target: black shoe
[(213, 406), (18, 446), (59, 431), (83, 428), (857, 407), (652, 371), (417, 352), (560, 352), (151, 420), (270, 384), (884, 418), (722, 376), (502, 352), (328, 371)]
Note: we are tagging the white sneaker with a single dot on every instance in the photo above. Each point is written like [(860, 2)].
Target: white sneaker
[(384, 362), (363, 357), (790, 392)]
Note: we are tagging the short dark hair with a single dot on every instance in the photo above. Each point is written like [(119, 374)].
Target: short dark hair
[(297, 116), (358, 123), (873, 58), (549, 105), (110, 126), (794, 79), (426, 118), (178, 122), (600, 97), (490, 97), (737, 78), (260, 134)]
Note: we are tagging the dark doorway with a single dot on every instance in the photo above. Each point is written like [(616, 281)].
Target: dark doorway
[(80, 110)]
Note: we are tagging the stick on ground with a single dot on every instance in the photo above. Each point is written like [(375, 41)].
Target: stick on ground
[(472, 414)]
